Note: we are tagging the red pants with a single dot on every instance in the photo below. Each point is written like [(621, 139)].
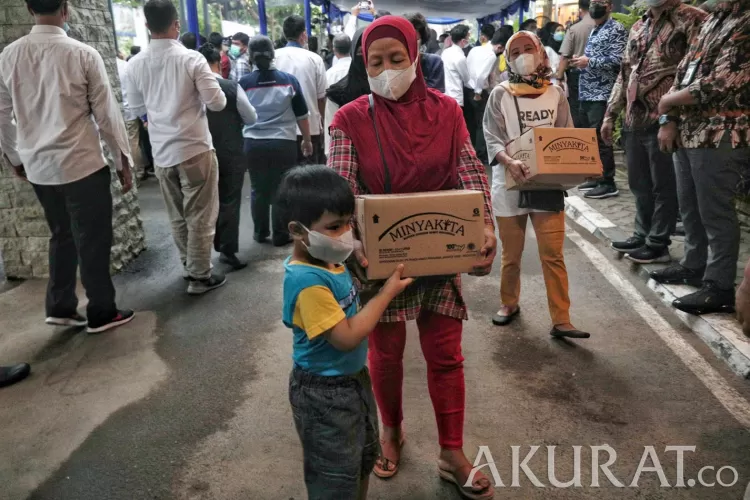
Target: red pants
[(440, 337)]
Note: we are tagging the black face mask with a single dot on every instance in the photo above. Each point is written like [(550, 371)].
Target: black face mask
[(598, 11)]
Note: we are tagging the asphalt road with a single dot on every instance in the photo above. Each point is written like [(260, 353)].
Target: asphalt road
[(189, 402)]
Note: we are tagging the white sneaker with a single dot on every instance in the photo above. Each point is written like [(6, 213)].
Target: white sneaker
[(74, 320)]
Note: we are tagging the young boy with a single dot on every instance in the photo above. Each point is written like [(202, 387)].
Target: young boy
[(329, 387)]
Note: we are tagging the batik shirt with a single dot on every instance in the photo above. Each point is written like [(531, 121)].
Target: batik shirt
[(720, 61), (655, 49), (604, 49)]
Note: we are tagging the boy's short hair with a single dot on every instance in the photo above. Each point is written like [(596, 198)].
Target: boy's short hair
[(160, 14), (306, 193)]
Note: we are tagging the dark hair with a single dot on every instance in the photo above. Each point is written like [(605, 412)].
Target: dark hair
[(242, 38), (44, 6), (420, 25), (280, 43), (500, 37), (135, 50), (488, 31), (459, 33), (160, 14), (294, 26), (306, 193), (584, 4), (312, 44), (216, 39), (189, 40), (342, 44), (443, 37), (525, 25), (211, 53), (260, 51), (381, 13), (507, 29)]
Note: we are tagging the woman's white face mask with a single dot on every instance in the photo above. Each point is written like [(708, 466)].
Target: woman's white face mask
[(392, 84), (524, 64)]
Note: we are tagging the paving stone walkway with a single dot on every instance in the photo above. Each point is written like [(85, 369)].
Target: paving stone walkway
[(620, 210)]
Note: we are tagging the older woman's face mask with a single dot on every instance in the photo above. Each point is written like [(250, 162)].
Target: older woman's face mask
[(390, 71)]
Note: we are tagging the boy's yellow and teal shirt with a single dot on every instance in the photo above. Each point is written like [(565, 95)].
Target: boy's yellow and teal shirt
[(315, 300)]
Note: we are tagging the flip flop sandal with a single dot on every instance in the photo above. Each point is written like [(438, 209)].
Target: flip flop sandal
[(384, 471), (465, 492)]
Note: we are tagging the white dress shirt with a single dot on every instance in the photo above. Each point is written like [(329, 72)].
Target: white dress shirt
[(456, 73), (58, 91), (173, 86), (481, 62), (244, 108), (122, 71), (340, 60), (350, 28), (337, 72), (310, 70)]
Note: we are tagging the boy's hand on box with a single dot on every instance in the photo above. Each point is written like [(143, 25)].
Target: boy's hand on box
[(488, 252), (396, 284)]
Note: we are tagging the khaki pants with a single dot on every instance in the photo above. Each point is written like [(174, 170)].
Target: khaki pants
[(191, 193), (134, 138), (550, 234)]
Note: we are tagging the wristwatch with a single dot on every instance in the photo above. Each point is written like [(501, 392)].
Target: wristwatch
[(665, 119)]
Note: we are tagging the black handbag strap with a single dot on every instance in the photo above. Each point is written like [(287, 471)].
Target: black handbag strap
[(521, 125), (387, 180)]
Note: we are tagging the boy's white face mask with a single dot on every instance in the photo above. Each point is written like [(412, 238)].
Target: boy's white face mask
[(327, 249)]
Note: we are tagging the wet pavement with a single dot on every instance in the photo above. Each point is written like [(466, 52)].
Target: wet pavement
[(189, 401)]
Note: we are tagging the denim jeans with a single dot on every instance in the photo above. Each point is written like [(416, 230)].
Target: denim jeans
[(337, 422)]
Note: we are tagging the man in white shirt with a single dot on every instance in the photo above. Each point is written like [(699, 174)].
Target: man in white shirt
[(132, 125), (173, 86), (342, 47), (350, 28), (454, 62), (55, 103), (481, 62), (310, 71)]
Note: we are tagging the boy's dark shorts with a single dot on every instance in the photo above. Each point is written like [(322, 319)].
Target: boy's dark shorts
[(337, 422)]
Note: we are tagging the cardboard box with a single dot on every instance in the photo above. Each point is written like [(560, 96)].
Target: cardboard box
[(430, 233), (559, 158)]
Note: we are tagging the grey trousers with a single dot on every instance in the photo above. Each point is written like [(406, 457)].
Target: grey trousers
[(707, 181), (191, 194), (651, 176)]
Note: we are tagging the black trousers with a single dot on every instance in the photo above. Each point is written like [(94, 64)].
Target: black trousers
[(480, 146), (231, 178), (79, 215), (469, 115), (592, 113), (267, 161), (319, 153), (651, 176), (572, 77)]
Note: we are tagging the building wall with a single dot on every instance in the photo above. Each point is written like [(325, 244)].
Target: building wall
[(23, 230)]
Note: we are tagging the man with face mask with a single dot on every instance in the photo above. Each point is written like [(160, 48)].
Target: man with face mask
[(52, 140), (184, 157), (238, 53), (454, 63), (599, 67), (656, 44)]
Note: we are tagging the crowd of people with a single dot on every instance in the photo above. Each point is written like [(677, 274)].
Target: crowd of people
[(397, 109)]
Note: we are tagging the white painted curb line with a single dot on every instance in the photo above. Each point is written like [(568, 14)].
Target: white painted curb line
[(720, 332)]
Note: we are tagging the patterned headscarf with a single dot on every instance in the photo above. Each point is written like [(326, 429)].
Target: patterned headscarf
[(539, 80)]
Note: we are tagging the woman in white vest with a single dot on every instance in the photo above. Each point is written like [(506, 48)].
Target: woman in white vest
[(527, 100)]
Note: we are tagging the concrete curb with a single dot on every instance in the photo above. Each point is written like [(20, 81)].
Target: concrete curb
[(720, 332)]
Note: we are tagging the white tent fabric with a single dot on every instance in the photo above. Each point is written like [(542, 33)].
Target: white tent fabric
[(458, 9)]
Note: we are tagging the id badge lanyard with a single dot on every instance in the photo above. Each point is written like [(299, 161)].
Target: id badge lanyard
[(633, 83), (695, 64)]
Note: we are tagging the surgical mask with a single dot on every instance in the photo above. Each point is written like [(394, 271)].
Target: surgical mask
[(598, 11), (330, 250), (392, 84), (66, 27), (234, 51), (524, 65), (560, 35)]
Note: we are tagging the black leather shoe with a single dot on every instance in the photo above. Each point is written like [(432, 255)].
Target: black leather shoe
[(570, 334), (676, 274), (709, 299), (9, 375), (500, 320), (233, 261)]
